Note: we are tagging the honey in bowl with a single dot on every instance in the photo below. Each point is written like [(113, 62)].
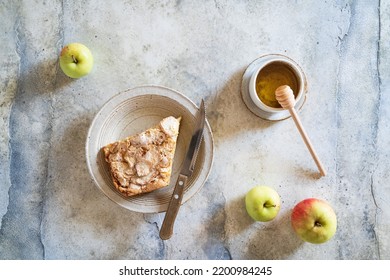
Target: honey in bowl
[(272, 76)]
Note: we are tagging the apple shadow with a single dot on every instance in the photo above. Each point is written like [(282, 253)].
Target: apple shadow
[(273, 240), (45, 77), (61, 79), (241, 218)]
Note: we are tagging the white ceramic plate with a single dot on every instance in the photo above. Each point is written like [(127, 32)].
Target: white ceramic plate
[(131, 112)]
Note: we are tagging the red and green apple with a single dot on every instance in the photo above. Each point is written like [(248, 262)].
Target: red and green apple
[(314, 220)]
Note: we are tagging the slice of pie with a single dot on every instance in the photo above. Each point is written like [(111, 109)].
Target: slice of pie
[(143, 162)]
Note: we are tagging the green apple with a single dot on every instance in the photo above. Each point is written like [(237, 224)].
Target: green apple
[(314, 220), (262, 203), (76, 60)]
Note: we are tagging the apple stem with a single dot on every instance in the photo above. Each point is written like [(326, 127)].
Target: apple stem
[(74, 59), (317, 224), (269, 205)]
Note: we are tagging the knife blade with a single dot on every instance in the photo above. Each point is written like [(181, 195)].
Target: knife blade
[(186, 171)]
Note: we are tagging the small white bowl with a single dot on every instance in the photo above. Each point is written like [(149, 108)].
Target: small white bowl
[(248, 87)]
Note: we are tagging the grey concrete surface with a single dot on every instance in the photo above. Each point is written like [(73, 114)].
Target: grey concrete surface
[(50, 207)]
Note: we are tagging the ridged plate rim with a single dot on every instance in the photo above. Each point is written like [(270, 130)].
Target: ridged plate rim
[(174, 102)]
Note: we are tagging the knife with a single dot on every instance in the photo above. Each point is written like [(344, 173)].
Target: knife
[(186, 171)]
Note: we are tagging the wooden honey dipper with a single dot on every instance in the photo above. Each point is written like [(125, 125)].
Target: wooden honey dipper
[(285, 96)]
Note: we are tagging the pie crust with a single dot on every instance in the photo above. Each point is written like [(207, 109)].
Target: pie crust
[(142, 163)]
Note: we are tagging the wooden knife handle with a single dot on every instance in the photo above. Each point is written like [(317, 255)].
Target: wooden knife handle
[(173, 208)]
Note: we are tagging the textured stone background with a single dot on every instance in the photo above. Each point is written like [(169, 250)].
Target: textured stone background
[(50, 208)]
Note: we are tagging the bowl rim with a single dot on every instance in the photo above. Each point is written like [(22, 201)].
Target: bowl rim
[(140, 91), (253, 108), (275, 59)]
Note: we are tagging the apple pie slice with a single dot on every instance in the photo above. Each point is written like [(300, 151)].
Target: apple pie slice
[(143, 162)]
